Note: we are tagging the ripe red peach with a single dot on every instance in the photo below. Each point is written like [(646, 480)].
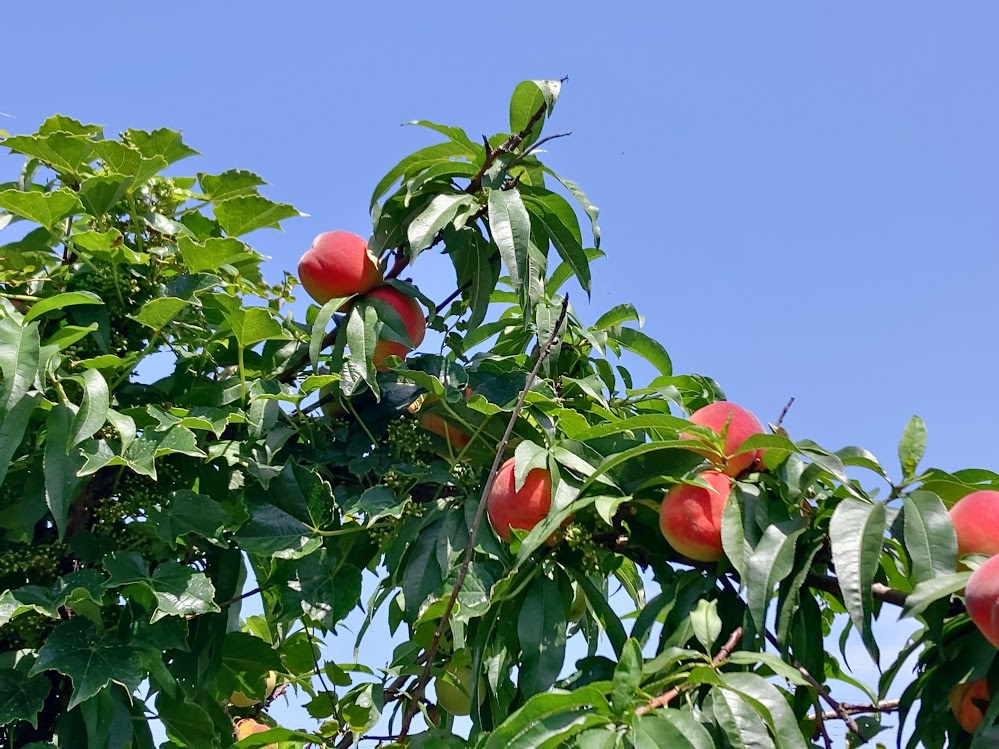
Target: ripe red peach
[(412, 319), (338, 264), (508, 508), (981, 598), (969, 702), (738, 425), (690, 517), (976, 523)]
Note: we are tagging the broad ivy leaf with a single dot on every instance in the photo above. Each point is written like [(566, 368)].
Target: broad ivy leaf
[(213, 253), (186, 723), (66, 153), (101, 193), (45, 208), (157, 313), (245, 213), (75, 649), (163, 143), (229, 183), (21, 698), (187, 512)]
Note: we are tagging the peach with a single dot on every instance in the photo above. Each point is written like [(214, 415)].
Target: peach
[(412, 319), (248, 727), (690, 517), (981, 598), (508, 508), (969, 701), (338, 264), (976, 522), (737, 424)]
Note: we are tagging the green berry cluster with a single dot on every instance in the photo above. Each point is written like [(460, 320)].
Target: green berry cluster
[(579, 540), (28, 631), (408, 442), (36, 563)]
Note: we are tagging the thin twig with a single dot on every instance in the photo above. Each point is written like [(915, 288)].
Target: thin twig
[(476, 523), (544, 140), (722, 656), (783, 413), (821, 689), (850, 708), (821, 725), (236, 599)]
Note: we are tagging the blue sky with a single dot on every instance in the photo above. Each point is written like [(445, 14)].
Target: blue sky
[(800, 197)]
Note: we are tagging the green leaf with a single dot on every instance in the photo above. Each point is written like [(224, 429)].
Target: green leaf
[(319, 588), (706, 623), (416, 162), (477, 272), (189, 512), (856, 532), (627, 677), (648, 348), (213, 253), (584, 202), (622, 313), (245, 213), (932, 590), (529, 98), (74, 648), (179, 590), (157, 313), (547, 720), (929, 536), (246, 663), (563, 272), (770, 562), (740, 723), (441, 212), (45, 208), (94, 409), (541, 629), (101, 193), (20, 349), (163, 143), (778, 715), (912, 446), (527, 457), (510, 225), (358, 367), (559, 220), (21, 698), (66, 153), (670, 729), (252, 325), (60, 301), (61, 466), (608, 619), (229, 184), (186, 723), (60, 123), (274, 531), (454, 134), (422, 576), (123, 159)]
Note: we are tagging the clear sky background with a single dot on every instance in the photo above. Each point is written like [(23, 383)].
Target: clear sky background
[(800, 197)]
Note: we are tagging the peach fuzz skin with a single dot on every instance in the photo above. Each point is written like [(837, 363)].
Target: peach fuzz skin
[(976, 523), (981, 598), (508, 508), (968, 702), (741, 425), (690, 517), (336, 265), (412, 318)]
